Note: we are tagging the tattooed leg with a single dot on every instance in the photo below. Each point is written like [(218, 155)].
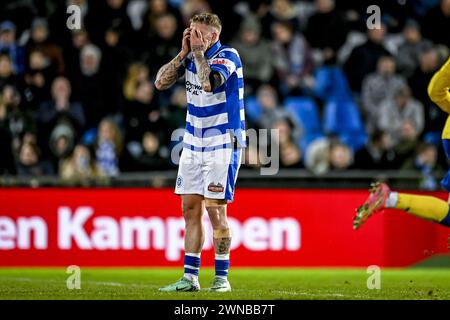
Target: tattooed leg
[(217, 211)]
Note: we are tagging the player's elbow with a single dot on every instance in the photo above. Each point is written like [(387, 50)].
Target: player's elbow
[(432, 92), (158, 85)]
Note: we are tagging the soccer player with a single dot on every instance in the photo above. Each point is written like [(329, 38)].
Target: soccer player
[(212, 143), (425, 207)]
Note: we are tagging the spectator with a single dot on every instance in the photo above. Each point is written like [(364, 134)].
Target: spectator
[(292, 58), (62, 140), (157, 8), (436, 21), (40, 41), (326, 30), (108, 147), (80, 166), (164, 44), (363, 59), (137, 73), (378, 87), (9, 46), (29, 162), (104, 14), (191, 7), (114, 50), (272, 112), (281, 11), (7, 76), (61, 105), (60, 110), (290, 153), (151, 156), (90, 89), (402, 117), (18, 120), (425, 162), (176, 115), (142, 114), (253, 51), (61, 35), (79, 39), (428, 65), (411, 49), (377, 154), (326, 154), (341, 156)]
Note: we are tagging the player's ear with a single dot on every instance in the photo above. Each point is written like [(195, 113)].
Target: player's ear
[(214, 36)]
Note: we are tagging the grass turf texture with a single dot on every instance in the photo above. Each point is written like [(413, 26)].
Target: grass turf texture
[(417, 283)]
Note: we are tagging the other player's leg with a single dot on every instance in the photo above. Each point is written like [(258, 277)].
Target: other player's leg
[(381, 197)]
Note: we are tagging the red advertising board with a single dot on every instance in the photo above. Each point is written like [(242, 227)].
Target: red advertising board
[(144, 227)]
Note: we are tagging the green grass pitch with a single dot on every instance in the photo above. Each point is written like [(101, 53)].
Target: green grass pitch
[(109, 283)]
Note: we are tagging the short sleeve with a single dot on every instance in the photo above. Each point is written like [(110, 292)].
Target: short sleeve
[(225, 62)]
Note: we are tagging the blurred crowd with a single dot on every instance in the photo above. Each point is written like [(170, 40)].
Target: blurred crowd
[(81, 103)]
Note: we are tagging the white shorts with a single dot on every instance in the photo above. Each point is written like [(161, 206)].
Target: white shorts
[(211, 174)]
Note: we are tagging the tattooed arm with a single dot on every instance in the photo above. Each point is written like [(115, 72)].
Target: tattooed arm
[(210, 80), (203, 69), (169, 73)]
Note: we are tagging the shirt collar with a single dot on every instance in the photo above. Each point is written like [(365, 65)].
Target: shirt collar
[(213, 50)]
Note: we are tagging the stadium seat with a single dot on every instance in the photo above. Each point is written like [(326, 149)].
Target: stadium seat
[(252, 109), (89, 136), (331, 83), (433, 137), (343, 119), (306, 112)]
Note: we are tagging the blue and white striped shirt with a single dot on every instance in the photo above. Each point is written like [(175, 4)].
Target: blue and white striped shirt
[(215, 120)]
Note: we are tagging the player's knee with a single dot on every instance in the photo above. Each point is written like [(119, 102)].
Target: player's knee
[(218, 217)]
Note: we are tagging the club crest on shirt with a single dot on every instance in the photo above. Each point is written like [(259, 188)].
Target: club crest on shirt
[(215, 187)]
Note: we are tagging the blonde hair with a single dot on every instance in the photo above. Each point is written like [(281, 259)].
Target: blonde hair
[(209, 19), (131, 82), (117, 137)]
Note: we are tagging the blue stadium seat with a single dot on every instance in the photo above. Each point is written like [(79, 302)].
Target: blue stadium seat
[(306, 112), (343, 119), (89, 136), (252, 109), (331, 83), (433, 137)]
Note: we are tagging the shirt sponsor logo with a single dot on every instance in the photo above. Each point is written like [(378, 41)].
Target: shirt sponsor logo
[(218, 61), (193, 88)]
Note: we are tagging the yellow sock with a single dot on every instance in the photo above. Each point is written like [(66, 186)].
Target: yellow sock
[(426, 207)]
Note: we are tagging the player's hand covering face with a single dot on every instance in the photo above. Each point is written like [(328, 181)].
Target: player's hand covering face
[(186, 44), (201, 36)]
